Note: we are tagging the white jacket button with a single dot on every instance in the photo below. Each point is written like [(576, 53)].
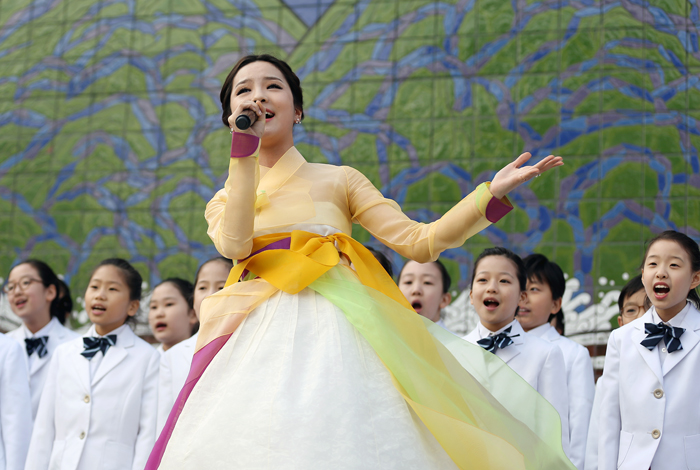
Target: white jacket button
[(656, 434), (82, 435), (86, 398), (658, 393)]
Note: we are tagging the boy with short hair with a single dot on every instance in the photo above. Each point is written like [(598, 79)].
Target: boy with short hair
[(633, 301), (544, 292)]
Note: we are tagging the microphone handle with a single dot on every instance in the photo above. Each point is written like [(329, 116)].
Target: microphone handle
[(243, 122)]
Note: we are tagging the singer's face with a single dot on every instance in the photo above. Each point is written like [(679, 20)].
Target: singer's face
[(263, 82)]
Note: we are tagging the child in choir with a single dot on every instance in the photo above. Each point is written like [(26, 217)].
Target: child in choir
[(42, 301), (545, 289), (15, 405), (175, 363), (649, 408), (426, 287), (98, 409), (632, 303), (170, 313), (498, 285)]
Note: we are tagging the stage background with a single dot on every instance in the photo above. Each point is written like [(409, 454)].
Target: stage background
[(111, 141)]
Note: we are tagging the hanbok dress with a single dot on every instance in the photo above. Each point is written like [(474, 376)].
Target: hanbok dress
[(317, 361)]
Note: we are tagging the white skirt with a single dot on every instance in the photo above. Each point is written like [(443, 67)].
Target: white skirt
[(296, 387)]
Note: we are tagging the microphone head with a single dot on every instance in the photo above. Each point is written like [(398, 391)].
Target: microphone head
[(243, 122)]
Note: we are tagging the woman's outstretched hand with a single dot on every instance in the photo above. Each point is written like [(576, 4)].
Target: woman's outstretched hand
[(514, 174)]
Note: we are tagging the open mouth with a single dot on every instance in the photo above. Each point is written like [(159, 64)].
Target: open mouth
[(269, 115), (661, 290), (160, 326), (20, 303), (491, 304), (98, 309), (523, 311), (417, 305)]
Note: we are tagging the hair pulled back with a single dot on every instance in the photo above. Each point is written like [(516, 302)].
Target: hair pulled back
[(289, 76), (506, 253), (227, 262), (62, 305), (132, 278), (184, 287)]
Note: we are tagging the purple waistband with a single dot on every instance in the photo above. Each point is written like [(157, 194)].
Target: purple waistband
[(283, 244)]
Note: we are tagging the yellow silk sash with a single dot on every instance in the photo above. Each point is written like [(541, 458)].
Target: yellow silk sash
[(310, 256)]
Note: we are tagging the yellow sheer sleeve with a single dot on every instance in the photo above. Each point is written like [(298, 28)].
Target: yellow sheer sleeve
[(421, 242), (231, 212)]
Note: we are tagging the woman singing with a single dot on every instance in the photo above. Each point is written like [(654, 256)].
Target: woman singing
[(316, 360)]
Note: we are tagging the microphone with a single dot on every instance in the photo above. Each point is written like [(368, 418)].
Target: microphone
[(246, 119)]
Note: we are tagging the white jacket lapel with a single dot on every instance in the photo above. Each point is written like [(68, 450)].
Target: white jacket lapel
[(115, 354), (689, 340), (81, 366), (56, 334), (509, 352), (650, 357), (39, 362)]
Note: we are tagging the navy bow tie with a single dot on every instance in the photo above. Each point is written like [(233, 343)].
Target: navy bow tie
[(38, 345), (501, 340), (670, 334), (93, 344)]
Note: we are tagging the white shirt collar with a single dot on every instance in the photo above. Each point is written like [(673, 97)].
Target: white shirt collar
[(118, 331), (485, 332), (541, 330), (45, 331), (675, 321)]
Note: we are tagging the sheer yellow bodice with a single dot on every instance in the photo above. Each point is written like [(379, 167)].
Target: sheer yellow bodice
[(297, 194)]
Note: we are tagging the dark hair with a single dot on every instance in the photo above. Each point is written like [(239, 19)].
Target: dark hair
[(62, 304), (221, 259), (506, 253), (289, 75), (183, 286), (633, 286), (444, 275), (383, 260), (559, 322), (690, 247), (132, 278), (539, 268)]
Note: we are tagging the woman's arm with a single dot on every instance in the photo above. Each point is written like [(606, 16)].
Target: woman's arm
[(231, 212), (421, 242)]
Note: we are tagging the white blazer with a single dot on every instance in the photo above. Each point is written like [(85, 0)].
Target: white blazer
[(581, 386), (38, 370), (107, 422), (649, 411), (540, 363), (591, 462), (15, 405), (174, 368)]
